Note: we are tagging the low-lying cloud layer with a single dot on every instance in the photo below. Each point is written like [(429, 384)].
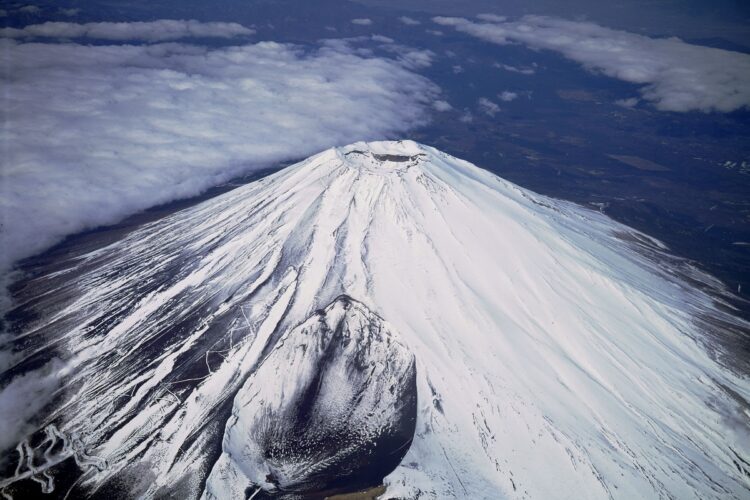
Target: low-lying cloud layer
[(676, 76), (150, 31), (95, 133)]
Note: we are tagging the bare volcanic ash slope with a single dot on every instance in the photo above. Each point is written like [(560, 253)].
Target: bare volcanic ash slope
[(380, 312)]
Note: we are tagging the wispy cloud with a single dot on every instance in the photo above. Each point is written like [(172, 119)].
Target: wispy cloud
[(507, 95), (513, 69), (30, 9), (675, 75), (151, 31), (411, 57), (408, 56), (488, 107), (94, 133), (440, 105), (362, 21), (630, 102), (408, 21), (492, 18)]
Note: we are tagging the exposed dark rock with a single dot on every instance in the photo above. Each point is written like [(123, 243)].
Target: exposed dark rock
[(332, 409)]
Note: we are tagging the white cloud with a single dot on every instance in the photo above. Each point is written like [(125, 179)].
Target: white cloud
[(627, 103), (522, 70), (507, 96), (408, 21), (22, 398), (94, 133), (30, 9), (676, 76), (150, 31), (3, 13), (382, 39), (70, 12), (488, 107), (362, 21), (440, 105), (411, 57), (492, 18), (457, 68)]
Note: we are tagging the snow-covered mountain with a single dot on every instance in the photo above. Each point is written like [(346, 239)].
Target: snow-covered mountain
[(380, 308)]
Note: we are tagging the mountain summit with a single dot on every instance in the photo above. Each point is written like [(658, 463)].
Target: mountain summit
[(553, 352)]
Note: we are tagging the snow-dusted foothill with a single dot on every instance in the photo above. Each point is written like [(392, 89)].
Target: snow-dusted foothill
[(331, 409)]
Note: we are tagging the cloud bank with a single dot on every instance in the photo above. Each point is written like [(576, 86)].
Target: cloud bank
[(676, 76), (95, 133), (150, 31)]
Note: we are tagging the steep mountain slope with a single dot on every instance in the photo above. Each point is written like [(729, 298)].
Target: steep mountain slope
[(557, 353)]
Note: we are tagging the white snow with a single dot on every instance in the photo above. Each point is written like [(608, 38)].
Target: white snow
[(559, 354)]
